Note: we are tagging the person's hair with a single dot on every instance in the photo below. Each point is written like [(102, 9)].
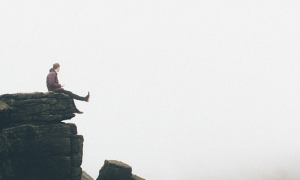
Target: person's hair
[(55, 66)]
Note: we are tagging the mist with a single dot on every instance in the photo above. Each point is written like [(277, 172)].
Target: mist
[(179, 90)]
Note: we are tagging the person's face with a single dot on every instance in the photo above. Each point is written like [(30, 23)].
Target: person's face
[(57, 69)]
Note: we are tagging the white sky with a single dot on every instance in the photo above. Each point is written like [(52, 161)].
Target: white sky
[(180, 90)]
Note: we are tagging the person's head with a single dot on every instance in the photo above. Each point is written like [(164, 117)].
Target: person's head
[(56, 67)]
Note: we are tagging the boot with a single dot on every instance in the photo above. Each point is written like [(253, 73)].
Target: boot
[(88, 97), (78, 112)]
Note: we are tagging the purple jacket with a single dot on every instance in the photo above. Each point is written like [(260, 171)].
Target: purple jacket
[(52, 81)]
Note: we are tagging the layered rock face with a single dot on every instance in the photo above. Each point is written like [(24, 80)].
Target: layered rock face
[(34, 143), (116, 170)]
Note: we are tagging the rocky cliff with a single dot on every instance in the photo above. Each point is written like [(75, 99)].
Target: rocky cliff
[(34, 142), (116, 170)]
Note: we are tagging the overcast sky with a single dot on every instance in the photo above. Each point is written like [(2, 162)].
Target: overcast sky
[(181, 90)]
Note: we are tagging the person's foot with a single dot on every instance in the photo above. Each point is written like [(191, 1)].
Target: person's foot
[(78, 112), (88, 97)]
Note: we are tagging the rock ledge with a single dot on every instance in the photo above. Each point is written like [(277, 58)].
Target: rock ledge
[(34, 143), (36, 107)]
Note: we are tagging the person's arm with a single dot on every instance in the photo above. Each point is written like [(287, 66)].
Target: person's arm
[(51, 80)]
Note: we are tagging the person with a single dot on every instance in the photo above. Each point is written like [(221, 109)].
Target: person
[(53, 85)]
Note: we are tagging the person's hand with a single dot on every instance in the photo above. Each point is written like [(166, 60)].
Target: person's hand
[(62, 85)]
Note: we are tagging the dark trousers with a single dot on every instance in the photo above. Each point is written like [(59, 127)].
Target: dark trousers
[(72, 95)]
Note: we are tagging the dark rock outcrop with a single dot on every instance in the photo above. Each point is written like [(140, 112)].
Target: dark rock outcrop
[(34, 143), (37, 107), (116, 170), (85, 176)]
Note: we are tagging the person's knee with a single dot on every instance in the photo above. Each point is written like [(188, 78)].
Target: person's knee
[(69, 93)]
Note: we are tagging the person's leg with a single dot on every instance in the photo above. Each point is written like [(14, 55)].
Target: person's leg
[(72, 95)]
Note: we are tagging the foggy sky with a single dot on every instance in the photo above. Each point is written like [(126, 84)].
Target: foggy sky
[(180, 90)]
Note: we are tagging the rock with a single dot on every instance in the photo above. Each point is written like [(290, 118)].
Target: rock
[(5, 112), (85, 176), (4, 106), (34, 144), (41, 152), (116, 170), (135, 177), (37, 107)]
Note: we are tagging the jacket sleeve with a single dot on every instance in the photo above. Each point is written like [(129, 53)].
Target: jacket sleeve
[(51, 81)]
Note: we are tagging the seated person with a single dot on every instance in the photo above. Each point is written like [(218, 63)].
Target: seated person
[(53, 85)]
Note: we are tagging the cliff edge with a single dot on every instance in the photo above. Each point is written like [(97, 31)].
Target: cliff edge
[(34, 142)]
